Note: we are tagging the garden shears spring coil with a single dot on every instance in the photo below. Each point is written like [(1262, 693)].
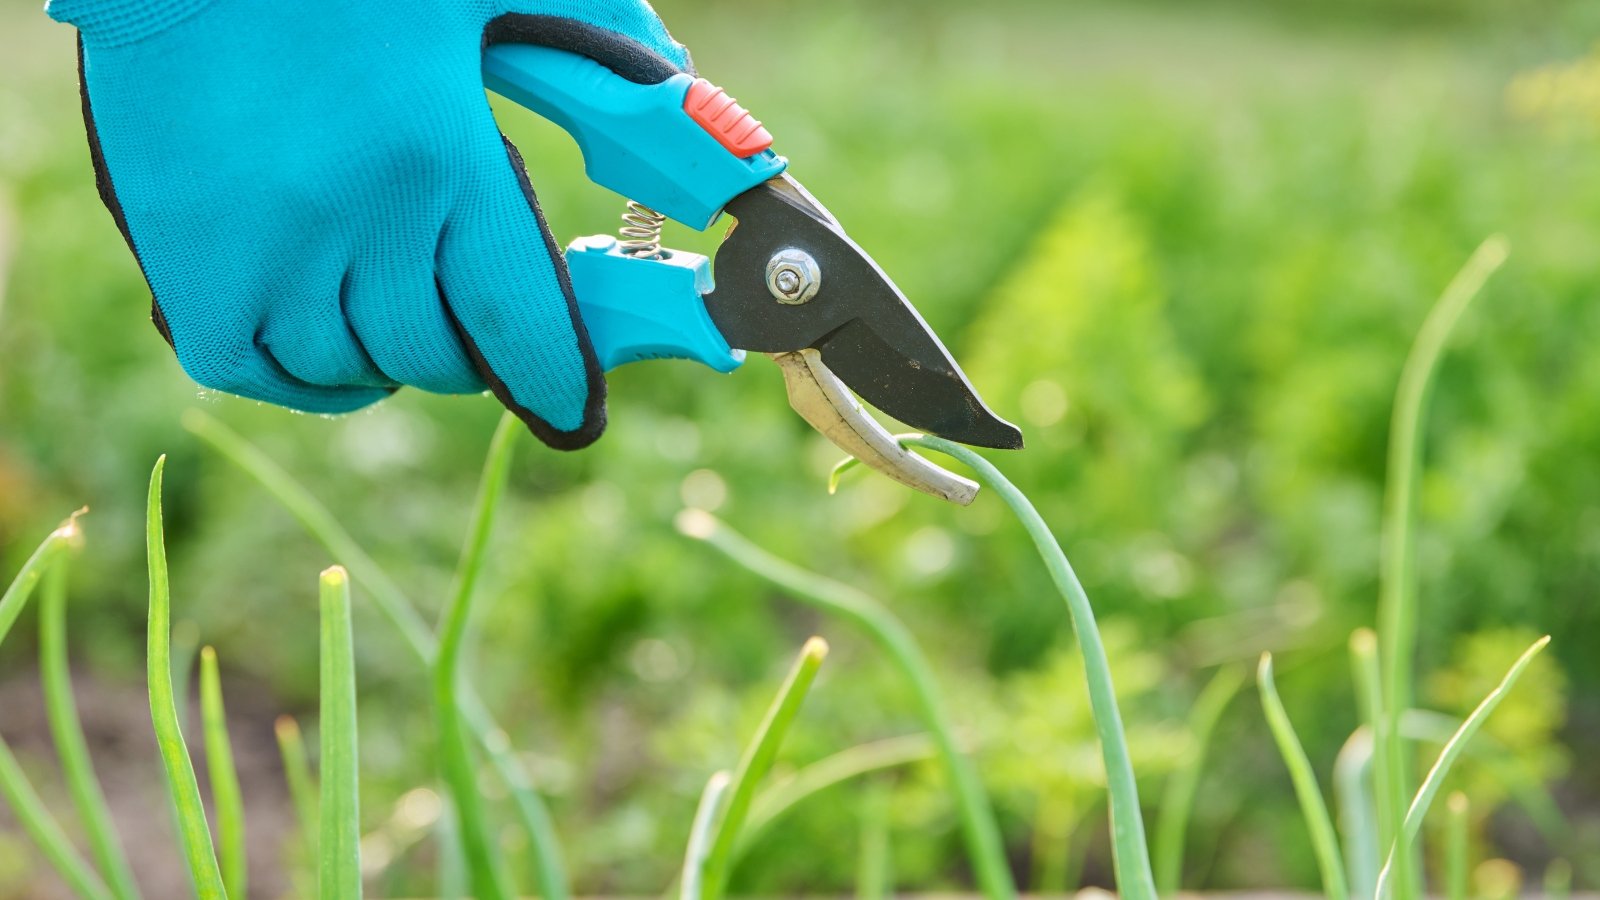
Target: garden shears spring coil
[(788, 281)]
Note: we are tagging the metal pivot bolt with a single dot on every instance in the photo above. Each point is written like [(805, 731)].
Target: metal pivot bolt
[(793, 276)]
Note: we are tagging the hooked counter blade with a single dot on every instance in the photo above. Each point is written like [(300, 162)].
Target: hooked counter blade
[(868, 334)]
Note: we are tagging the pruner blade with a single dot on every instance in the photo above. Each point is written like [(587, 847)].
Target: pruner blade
[(829, 407), (788, 278)]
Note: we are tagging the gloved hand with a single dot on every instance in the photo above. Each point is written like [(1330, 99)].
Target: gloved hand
[(323, 206)]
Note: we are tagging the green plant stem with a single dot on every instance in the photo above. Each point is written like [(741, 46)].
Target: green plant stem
[(225, 794), (1054, 823), (1358, 816), (392, 604), (316, 519), (782, 796), (27, 578), (706, 812), (339, 838), (1071, 876), (1525, 786), (24, 801), (67, 730), (1323, 837), (1558, 880), (490, 879), (874, 879), (451, 870), (1397, 592), (302, 784), (46, 831), (1129, 849), (1364, 669), (1441, 767), (185, 646), (1177, 802), (194, 833), (978, 826), (1457, 867), (756, 762), (1365, 850)]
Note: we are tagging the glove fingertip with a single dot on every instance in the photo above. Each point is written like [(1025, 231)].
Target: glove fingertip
[(536, 374), (569, 427)]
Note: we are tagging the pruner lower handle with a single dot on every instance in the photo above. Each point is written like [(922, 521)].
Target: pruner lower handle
[(646, 308), (681, 146)]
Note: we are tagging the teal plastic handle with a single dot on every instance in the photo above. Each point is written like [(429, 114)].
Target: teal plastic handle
[(637, 309), (636, 139)]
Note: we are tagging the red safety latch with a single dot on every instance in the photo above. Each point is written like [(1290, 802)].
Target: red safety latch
[(724, 119)]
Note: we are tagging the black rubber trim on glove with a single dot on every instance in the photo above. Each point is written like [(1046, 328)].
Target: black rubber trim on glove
[(594, 406), (108, 196), (622, 55), (635, 62)]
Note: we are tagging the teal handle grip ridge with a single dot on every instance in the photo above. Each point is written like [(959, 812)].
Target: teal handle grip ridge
[(636, 308), (637, 139)]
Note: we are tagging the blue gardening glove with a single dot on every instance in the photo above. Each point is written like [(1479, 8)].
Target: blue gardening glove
[(323, 206)]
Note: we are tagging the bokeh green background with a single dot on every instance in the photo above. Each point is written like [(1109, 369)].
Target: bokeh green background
[(1184, 245)]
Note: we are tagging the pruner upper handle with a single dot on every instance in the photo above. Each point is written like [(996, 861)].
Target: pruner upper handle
[(681, 146)]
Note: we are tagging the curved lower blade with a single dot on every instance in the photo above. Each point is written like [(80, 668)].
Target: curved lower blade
[(827, 406)]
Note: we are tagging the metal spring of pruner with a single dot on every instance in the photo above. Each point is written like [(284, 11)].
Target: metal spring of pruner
[(641, 231)]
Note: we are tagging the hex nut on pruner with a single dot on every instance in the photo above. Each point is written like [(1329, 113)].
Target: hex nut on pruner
[(793, 276)]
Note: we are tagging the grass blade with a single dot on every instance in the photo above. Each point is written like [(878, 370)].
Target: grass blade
[(1358, 815), (692, 885), (1058, 847), (1397, 577), (193, 832), (450, 871), (1558, 880), (401, 613), (1364, 669), (1177, 801), (1129, 850), (302, 784), (185, 647), (1451, 751), (1525, 786), (490, 878), (317, 520), (1323, 837), (27, 578), (874, 879), (757, 761), (66, 729), (782, 796), (978, 825), (1365, 807), (1457, 866), (225, 794), (46, 831), (339, 838), (35, 818)]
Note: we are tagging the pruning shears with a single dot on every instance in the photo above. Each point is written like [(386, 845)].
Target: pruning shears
[(788, 281)]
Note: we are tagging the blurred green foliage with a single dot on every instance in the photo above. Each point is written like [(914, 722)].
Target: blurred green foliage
[(1185, 246)]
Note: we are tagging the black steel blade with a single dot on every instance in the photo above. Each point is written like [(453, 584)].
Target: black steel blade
[(867, 332)]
